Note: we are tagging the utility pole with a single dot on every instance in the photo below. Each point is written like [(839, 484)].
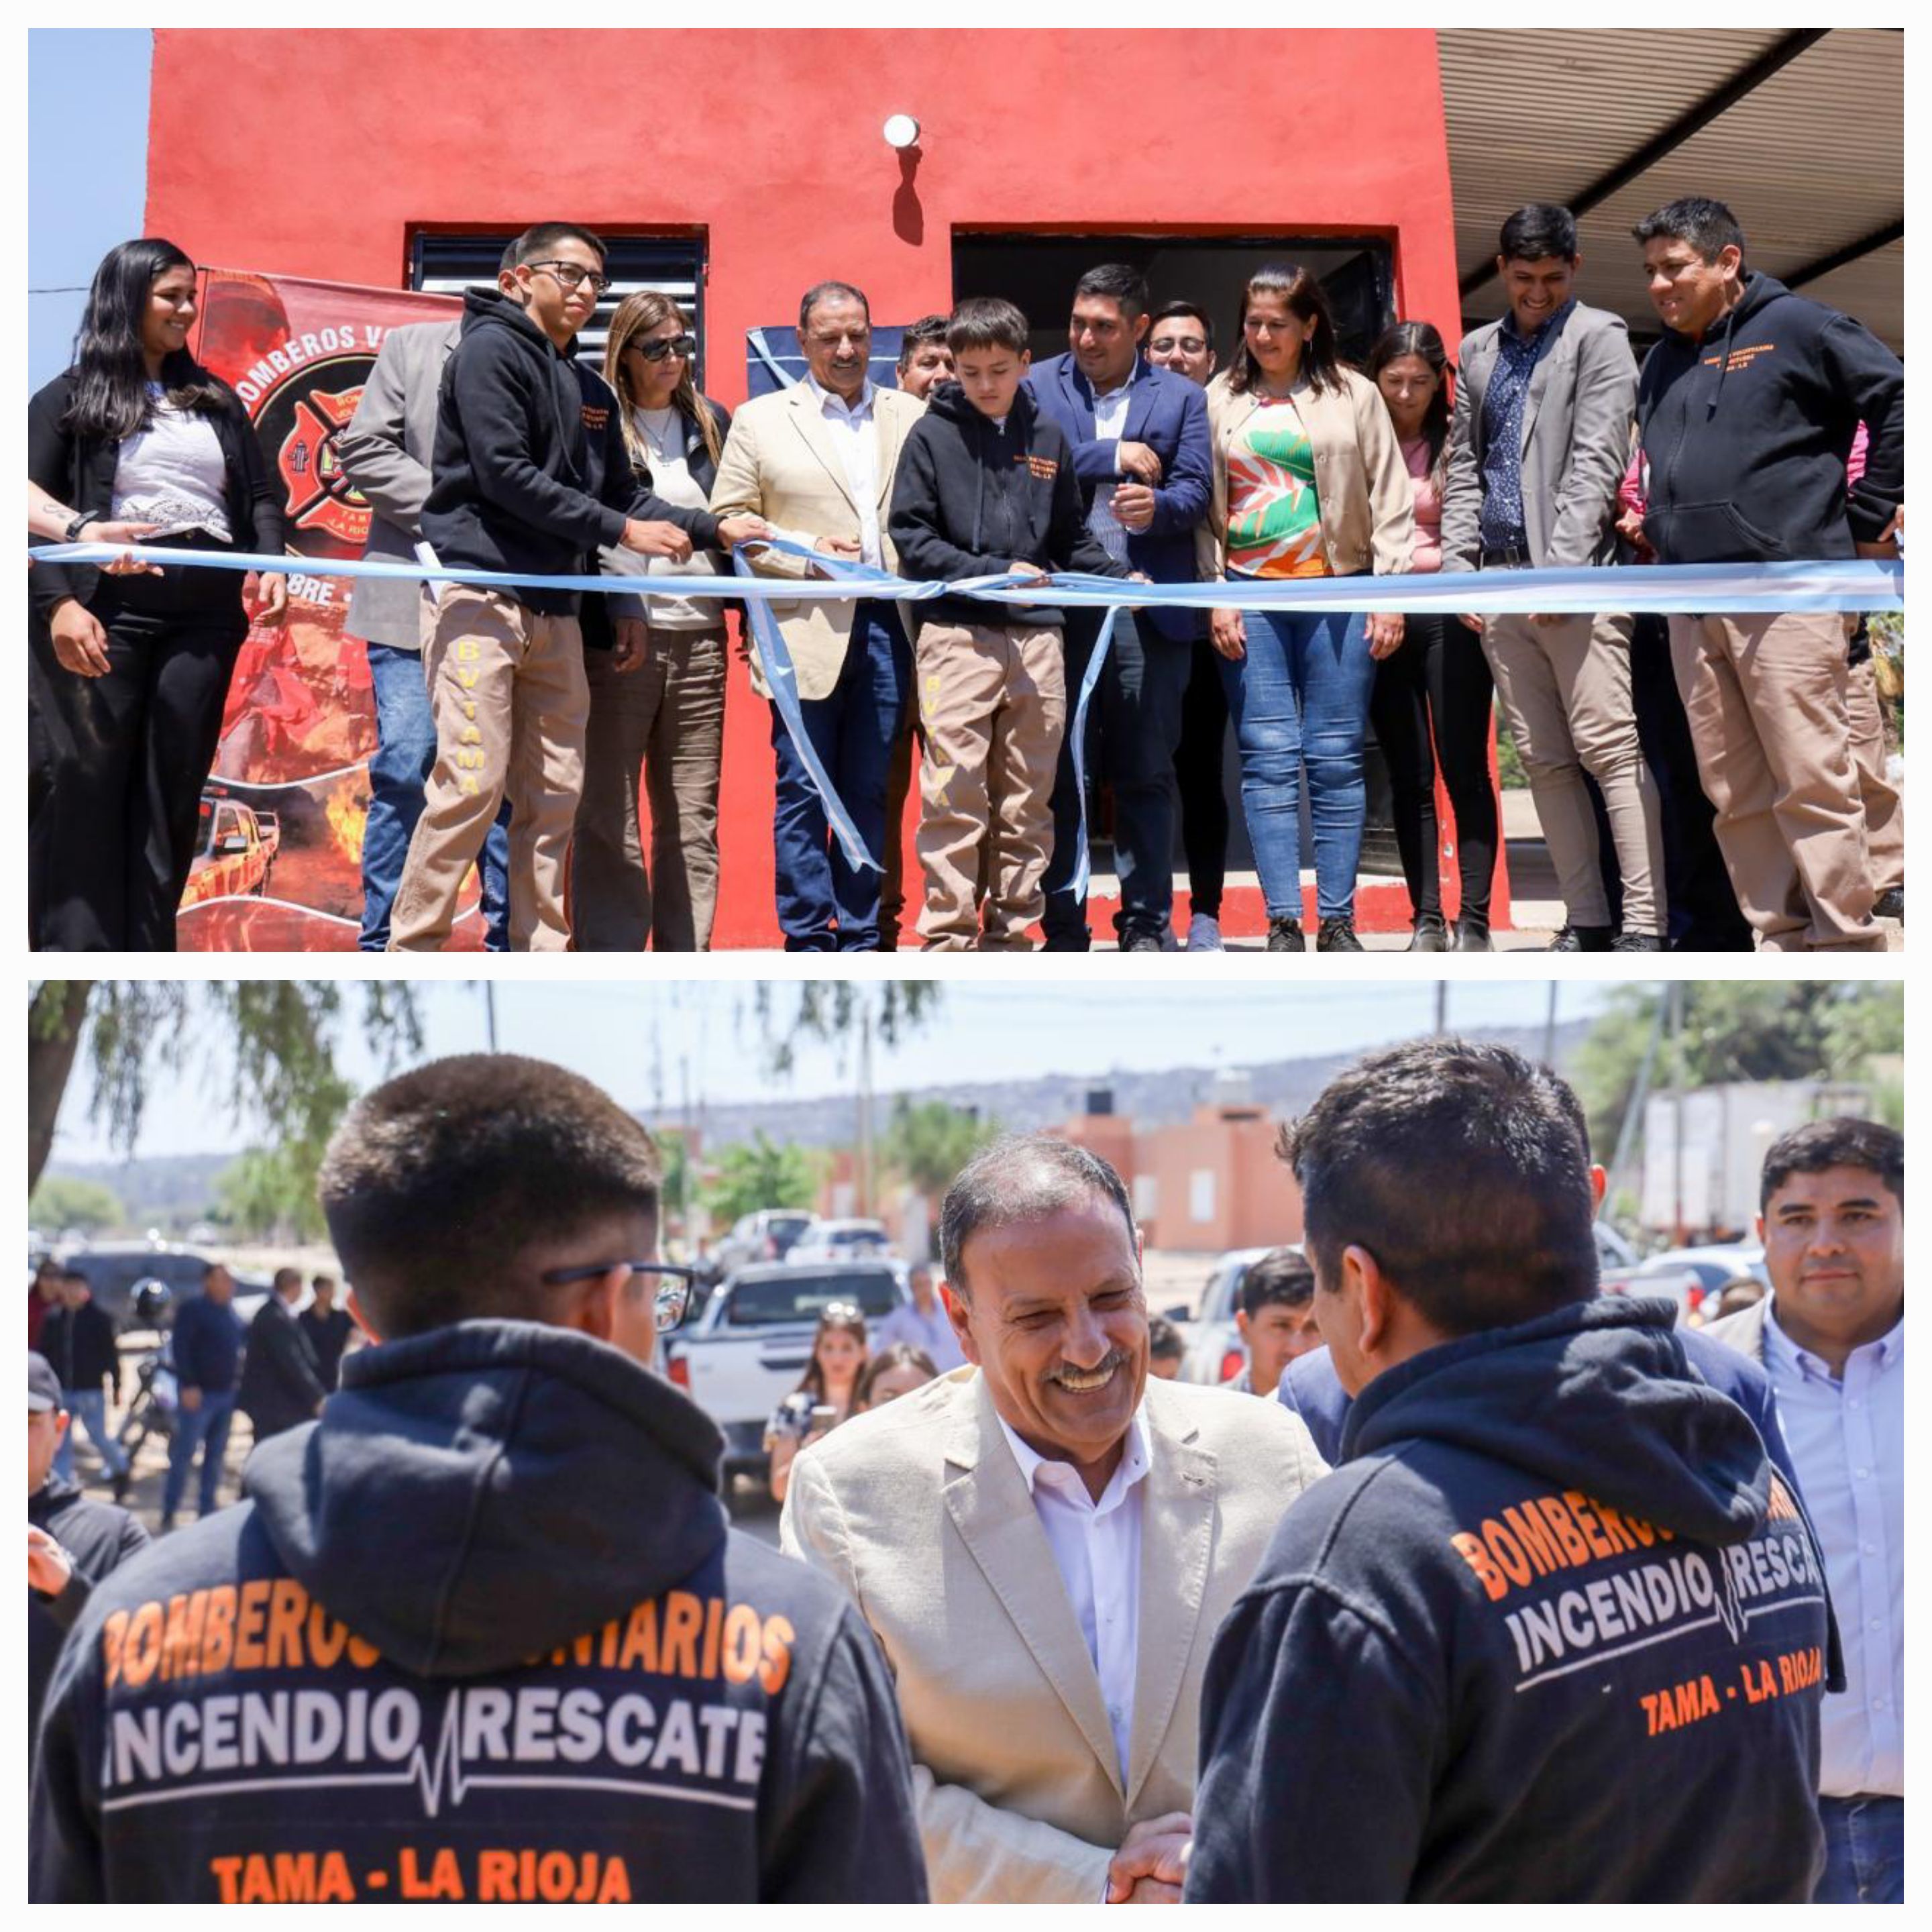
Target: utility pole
[(1677, 1106), (490, 1011), (690, 1152), (1550, 1028), (865, 1106), (1442, 1005)]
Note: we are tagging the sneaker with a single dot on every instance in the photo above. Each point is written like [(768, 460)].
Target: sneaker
[(1890, 903), (1138, 939), (1431, 933), (1582, 939), (1638, 942), (1204, 934), (1337, 935), (1472, 934), (1285, 936)]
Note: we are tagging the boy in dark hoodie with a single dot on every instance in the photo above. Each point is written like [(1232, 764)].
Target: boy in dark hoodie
[(1556, 1610), (1747, 410), (529, 474), (483, 1631), (986, 486)]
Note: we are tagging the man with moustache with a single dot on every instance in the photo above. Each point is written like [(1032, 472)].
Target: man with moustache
[(1044, 1542), (1831, 1337), (818, 461)]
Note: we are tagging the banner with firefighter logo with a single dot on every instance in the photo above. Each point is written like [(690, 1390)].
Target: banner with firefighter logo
[(279, 863)]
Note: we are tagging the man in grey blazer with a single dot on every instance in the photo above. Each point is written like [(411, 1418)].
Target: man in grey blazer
[(1539, 442), (384, 452)]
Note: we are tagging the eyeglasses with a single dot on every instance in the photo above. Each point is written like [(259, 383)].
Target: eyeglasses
[(572, 276), (674, 1294), (684, 347)]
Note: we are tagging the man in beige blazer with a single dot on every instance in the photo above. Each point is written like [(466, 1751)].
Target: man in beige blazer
[(1044, 1542), (818, 461)]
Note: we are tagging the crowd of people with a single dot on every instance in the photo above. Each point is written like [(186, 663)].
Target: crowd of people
[(1475, 1567), (1709, 781)]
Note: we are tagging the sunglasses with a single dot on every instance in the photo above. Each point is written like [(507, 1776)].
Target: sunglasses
[(684, 347), (677, 1284)]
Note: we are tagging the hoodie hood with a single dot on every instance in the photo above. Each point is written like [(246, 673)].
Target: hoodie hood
[(1598, 1397), (490, 308), (950, 401), (1760, 290), (490, 1491)]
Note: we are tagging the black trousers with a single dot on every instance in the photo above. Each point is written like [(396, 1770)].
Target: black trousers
[(1198, 775), (1438, 678), (118, 763)]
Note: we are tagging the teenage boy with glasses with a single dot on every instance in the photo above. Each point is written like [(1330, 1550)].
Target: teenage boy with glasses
[(529, 475)]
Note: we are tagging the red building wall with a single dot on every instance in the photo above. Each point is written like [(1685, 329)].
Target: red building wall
[(337, 146)]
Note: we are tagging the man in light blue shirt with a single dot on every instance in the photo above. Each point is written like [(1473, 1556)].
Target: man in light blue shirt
[(923, 1321), (1831, 1337)]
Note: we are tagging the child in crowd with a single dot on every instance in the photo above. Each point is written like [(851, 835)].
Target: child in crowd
[(986, 486)]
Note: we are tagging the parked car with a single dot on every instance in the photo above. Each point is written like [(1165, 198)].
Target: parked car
[(114, 1270), (842, 1241), (1613, 1250), (234, 850), (1688, 1276), (742, 1355), (1215, 1351), (766, 1235)]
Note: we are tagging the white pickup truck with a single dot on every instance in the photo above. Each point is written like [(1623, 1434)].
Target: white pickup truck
[(743, 1354)]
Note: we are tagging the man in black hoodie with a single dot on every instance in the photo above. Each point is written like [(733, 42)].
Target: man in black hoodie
[(529, 474), (1747, 410), (986, 486), (1556, 1611), (482, 1631)]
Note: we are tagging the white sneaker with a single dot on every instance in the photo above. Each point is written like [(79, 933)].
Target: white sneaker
[(1204, 934)]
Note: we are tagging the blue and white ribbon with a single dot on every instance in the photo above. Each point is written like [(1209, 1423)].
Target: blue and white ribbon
[(1867, 584)]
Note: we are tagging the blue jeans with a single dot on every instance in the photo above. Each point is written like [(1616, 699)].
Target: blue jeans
[(1137, 708), (1864, 1852), (1300, 701), (405, 757), (90, 1406), (853, 730), (206, 1428)]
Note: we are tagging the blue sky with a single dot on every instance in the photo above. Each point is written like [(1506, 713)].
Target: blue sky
[(630, 1037), (82, 195)]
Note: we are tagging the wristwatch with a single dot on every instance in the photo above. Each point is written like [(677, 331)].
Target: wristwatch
[(79, 523)]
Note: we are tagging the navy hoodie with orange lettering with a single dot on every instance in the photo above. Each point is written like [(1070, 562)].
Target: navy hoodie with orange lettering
[(1556, 1630), (481, 1632)]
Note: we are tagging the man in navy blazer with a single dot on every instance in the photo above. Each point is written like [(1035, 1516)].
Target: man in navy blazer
[(1141, 451)]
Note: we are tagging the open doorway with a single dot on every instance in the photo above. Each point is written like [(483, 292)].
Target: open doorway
[(1038, 272)]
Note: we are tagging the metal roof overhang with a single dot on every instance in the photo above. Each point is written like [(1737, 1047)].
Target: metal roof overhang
[(1801, 132)]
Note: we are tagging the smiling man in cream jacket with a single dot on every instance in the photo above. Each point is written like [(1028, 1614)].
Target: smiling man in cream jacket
[(1044, 1542)]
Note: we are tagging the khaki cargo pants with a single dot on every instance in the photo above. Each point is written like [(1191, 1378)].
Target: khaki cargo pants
[(993, 701), (1765, 697), (1885, 809), (507, 689)]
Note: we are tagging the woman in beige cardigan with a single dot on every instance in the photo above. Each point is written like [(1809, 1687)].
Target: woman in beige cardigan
[(1308, 482)]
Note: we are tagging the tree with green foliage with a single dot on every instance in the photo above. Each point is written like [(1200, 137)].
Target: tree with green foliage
[(269, 1044), (838, 1011), (1736, 1030), (65, 1201), (760, 1173), (926, 1144)]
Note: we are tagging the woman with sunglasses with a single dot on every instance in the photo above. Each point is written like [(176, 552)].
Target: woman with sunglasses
[(669, 715), (825, 1394)]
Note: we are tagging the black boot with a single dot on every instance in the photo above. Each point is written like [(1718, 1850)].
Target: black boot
[(1337, 935), (1890, 903), (1431, 934), (1582, 939), (1285, 935), (1639, 942), (1472, 933)]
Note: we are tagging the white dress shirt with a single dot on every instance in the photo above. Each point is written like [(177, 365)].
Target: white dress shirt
[(1110, 422), (855, 432), (1847, 1441), (1096, 1548)]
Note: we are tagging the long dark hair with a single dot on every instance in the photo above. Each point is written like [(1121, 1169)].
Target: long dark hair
[(839, 1317), (1418, 338), (110, 370), (1321, 360)]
